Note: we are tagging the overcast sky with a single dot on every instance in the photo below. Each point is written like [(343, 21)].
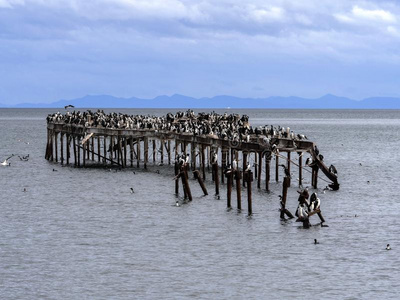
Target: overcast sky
[(51, 50)]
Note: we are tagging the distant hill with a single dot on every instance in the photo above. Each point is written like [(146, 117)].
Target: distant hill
[(180, 101)]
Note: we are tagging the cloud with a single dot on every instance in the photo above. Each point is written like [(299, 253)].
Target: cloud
[(375, 14)]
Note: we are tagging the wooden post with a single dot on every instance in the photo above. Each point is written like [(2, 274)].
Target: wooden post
[(118, 148), (93, 148), (314, 178), (125, 146), (62, 147), (88, 148), (244, 165), (229, 177), (259, 169), (300, 169), (84, 153), (105, 148), (169, 152), (131, 150), (56, 145), (276, 168), (154, 151), (288, 164), (177, 178), (162, 152), (255, 165), (238, 189), (197, 176), (249, 179), (68, 140), (146, 151), (74, 148), (193, 156), (98, 149), (223, 165), (285, 186), (138, 152), (185, 183), (267, 170), (112, 149), (216, 179), (203, 161), (78, 149)]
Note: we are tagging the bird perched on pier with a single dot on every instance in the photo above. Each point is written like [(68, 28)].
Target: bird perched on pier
[(234, 164), (6, 162), (287, 173), (315, 202), (187, 158), (214, 158), (316, 150), (332, 169), (248, 167), (301, 211), (321, 157), (309, 161)]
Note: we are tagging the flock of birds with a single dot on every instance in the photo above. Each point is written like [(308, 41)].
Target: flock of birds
[(229, 127)]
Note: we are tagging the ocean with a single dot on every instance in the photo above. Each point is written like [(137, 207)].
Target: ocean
[(80, 234)]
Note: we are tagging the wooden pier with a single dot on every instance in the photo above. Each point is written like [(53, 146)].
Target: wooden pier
[(84, 146)]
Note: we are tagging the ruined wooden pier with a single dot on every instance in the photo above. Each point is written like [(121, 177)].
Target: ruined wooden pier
[(84, 146)]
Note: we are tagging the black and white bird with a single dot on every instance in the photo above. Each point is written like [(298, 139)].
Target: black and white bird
[(177, 203), (234, 164), (132, 191), (315, 202), (309, 161), (388, 247), (248, 167), (6, 161), (301, 212), (332, 169), (316, 242)]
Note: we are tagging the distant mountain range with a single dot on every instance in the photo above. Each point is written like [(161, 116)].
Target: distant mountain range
[(179, 101)]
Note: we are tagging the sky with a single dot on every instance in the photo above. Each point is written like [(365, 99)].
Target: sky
[(51, 50)]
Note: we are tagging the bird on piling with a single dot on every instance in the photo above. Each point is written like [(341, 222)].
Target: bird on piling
[(315, 202), (234, 164), (309, 161), (248, 167), (388, 247), (332, 169)]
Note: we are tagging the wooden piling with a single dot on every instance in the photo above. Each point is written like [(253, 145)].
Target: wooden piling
[(105, 148), (74, 149), (216, 178), (223, 164), (169, 152), (238, 189), (68, 141), (125, 146), (138, 152), (288, 165), (300, 168), (249, 179), (56, 145), (276, 168), (203, 161), (62, 147), (197, 176), (146, 151), (267, 170), (185, 183), (162, 151), (259, 169), (176, 178), (229, 178), (244, 154), (84, 154), (112, 149), (283, 210), (78, 150), (154, 151)]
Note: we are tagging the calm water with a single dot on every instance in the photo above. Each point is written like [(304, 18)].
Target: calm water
[(80, 234)]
